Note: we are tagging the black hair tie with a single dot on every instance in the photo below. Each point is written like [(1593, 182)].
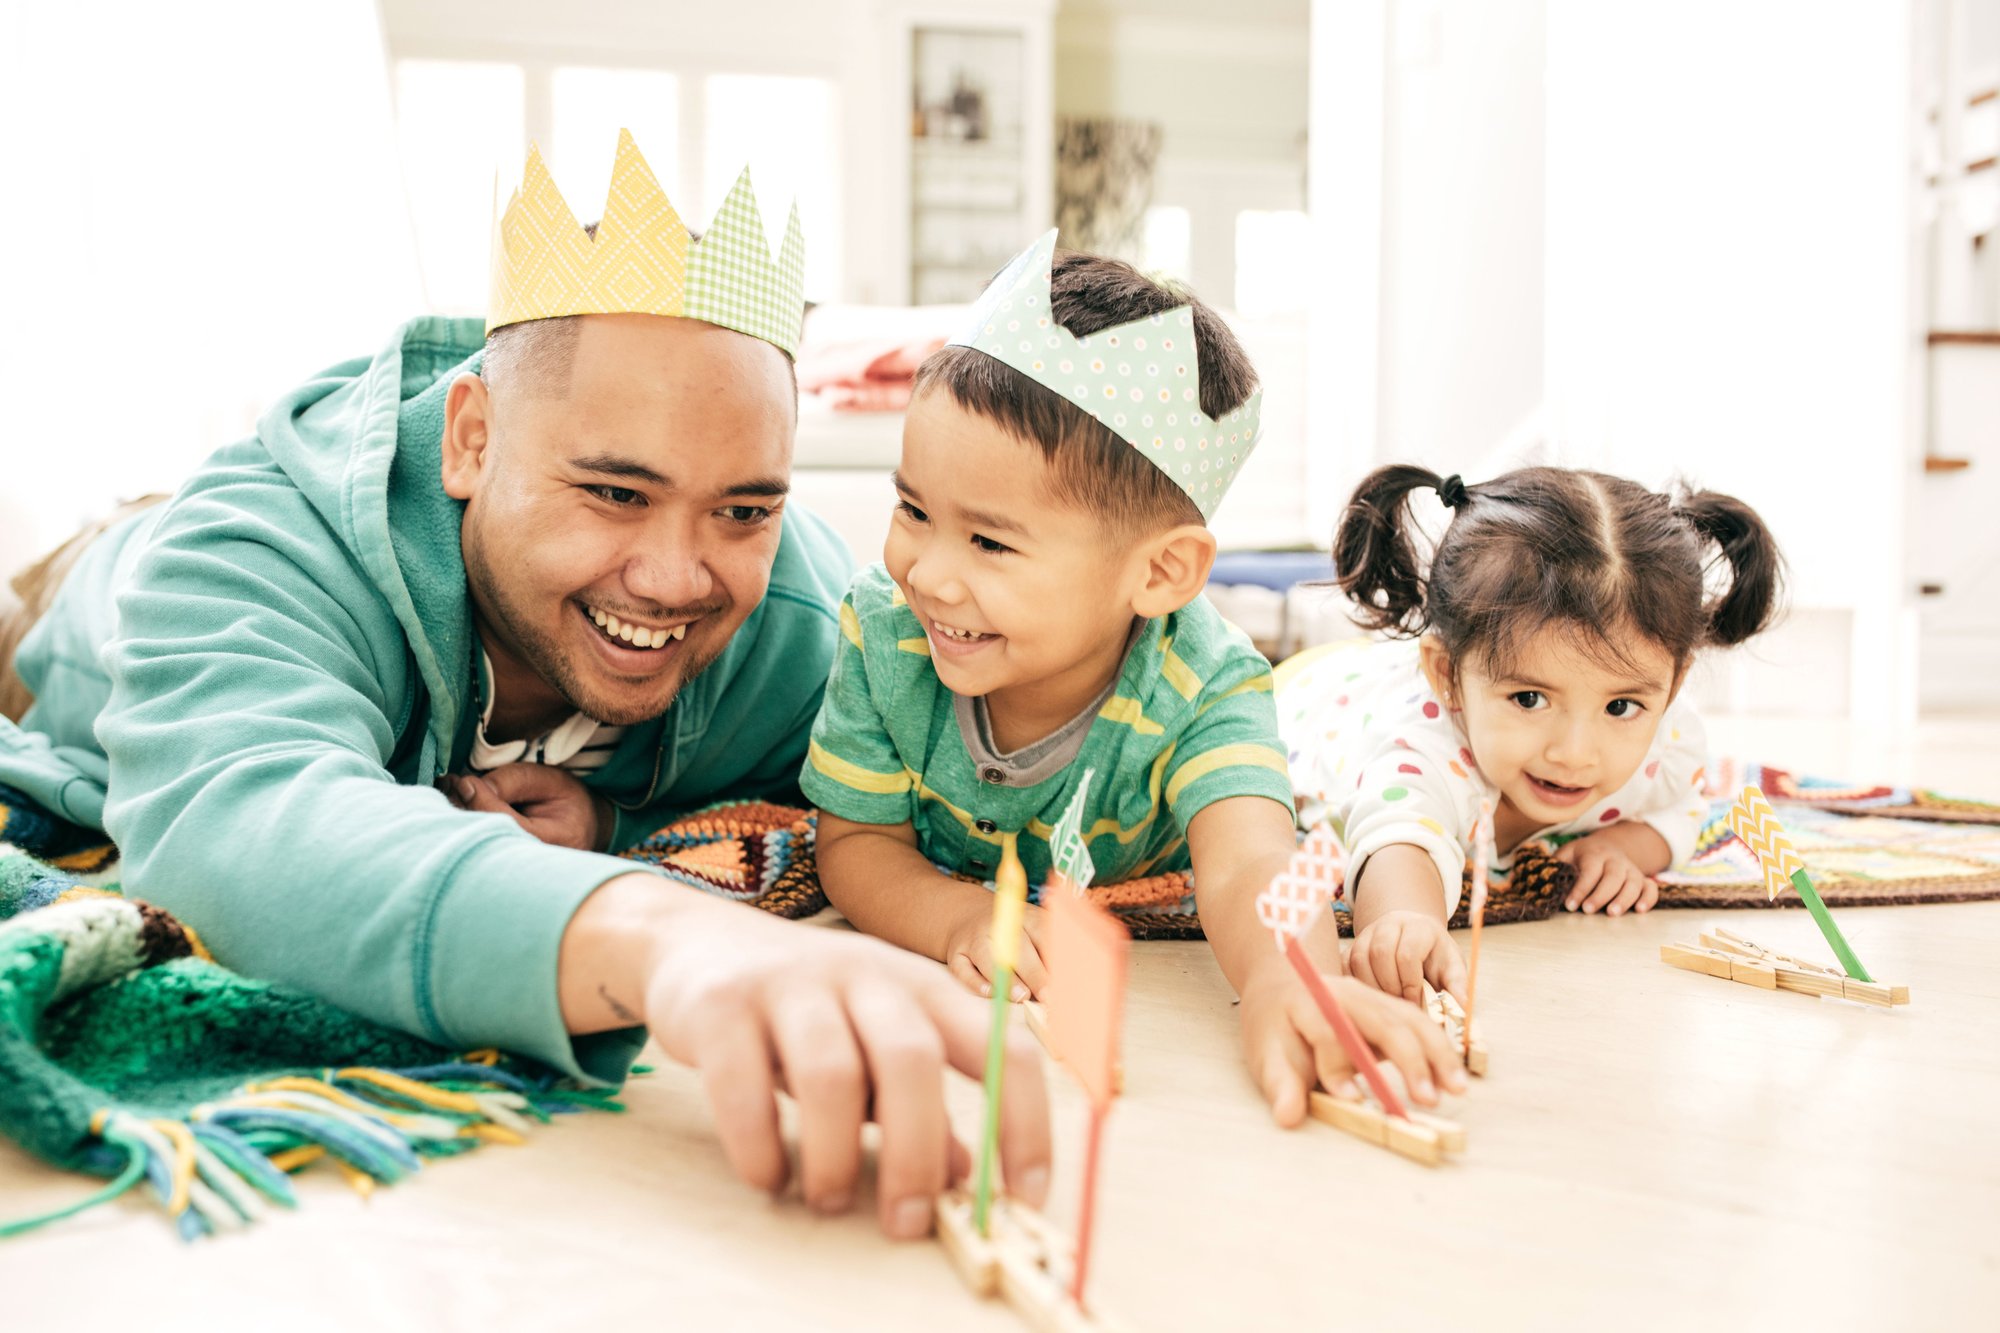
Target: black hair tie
[(1452, 491)]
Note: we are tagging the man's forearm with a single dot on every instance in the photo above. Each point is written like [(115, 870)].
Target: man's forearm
[(614, 943)]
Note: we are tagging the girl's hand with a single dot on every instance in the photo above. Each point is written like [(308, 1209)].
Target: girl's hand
[(1607, 877), (1290, 1047), (1400, 950), (968, 953)]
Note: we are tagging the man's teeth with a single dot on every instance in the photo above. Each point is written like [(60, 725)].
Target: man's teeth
[(639, 636)]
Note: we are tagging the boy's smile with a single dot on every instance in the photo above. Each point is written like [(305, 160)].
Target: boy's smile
[(1562, 726)]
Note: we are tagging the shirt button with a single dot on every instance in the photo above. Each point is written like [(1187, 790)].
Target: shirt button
[(992, 775), (985, 826), (980, 866)]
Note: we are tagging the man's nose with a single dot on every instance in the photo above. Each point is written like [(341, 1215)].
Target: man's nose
[(671, 575)]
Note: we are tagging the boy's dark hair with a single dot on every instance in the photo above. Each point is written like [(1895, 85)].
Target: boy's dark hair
[(1545, 546), (1089, 464)]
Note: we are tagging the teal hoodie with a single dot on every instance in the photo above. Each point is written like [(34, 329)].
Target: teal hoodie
[(253, 686)]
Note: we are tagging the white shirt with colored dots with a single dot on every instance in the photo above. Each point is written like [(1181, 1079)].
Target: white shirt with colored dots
[(1374, 753)]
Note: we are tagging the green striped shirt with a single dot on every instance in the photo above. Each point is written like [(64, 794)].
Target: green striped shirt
[(1190, 721)]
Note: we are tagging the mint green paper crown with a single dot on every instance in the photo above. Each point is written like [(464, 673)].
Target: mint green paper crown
[(1141, 380)]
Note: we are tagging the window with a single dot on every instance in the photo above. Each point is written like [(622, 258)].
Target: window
[(1271, 250), (458, 123), (787, 130), (1168, 243), (590, 107)]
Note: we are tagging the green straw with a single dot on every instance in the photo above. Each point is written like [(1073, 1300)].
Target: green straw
[(996, 1064), (1810, 896)]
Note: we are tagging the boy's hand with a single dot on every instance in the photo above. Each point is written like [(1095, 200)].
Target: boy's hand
[(1398, 951), (1291, 1047), (549, 802), (1607, 876), (968, 952)]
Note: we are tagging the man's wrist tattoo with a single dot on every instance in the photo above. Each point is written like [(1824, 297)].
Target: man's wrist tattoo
[(618, 1011)]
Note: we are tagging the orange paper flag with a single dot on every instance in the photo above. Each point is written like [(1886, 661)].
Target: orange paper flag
[(1088, 948)]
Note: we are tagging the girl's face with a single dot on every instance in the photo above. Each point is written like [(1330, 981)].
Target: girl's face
[(1560, 730)]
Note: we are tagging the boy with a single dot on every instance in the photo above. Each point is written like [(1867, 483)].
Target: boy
[(1038, 615)]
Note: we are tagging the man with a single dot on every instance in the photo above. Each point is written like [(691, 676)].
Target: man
[(566, 543)]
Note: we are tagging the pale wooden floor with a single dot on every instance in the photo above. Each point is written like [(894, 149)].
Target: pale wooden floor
[(1653, 1149)]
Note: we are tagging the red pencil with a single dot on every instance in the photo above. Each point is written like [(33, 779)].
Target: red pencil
[(1343, 1028)]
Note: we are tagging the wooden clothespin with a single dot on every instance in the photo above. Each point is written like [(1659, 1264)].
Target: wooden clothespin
[(1417, 1135), (1023, 1259), (1445, 1012), (1733, 958)]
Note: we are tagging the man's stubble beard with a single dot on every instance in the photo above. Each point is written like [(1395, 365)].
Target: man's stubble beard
[(545, 657)]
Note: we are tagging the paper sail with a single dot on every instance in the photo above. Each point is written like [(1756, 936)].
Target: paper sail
[(1753, 820), (1069, 854), (1010, 906), (1312, 879), (1088, 949)]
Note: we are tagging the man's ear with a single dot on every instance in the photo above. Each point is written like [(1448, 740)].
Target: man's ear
[(1438, 671), (1176, 566), (468, 425)]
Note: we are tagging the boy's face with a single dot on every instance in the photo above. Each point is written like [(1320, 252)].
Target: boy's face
[(1559, 729), (1017, 591)]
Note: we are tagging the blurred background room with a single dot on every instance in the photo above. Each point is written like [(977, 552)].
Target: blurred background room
[(1749, 243)]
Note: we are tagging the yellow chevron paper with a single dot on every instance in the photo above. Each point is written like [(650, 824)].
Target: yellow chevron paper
[(642, 260), (1010, 905), (1753, 820)]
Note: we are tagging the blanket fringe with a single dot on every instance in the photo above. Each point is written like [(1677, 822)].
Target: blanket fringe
[(224, 1165)]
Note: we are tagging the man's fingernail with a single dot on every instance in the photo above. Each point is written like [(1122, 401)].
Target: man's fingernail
[(1020, 992), (911, 1219), (835, 1203), (1617, 911), (465, 789), (1035, 1184)]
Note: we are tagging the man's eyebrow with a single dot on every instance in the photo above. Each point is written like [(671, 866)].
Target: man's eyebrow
[(626, 469), (762, 486)]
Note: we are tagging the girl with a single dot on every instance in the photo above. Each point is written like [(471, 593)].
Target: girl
[(1552, 633)]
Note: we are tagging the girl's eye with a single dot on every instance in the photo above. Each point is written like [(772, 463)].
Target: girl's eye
[(1624, 708), (911, 512), (1530, 700), (617, 495), (988, 545)]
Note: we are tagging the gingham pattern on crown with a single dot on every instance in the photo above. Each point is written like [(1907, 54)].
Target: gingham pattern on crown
[(642, 260), (1313, 878), (732, 281), (1141, 380)]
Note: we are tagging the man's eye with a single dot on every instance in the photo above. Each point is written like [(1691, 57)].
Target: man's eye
[(748, 515), (617, 495), (1624, 708), (989, 546), (1527, 699), (911, 512)]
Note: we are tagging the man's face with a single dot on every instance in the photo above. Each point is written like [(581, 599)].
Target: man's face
[(621, 520)]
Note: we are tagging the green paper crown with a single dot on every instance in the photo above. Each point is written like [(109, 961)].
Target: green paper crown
[(1141, 380)]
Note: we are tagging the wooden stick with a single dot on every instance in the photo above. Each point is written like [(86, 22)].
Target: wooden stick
[(1482, 856), (1087, 1209), (1024, 1259), (1419, 1137)]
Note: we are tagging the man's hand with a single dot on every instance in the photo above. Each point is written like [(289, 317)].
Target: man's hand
[(1400, 950), (851, 1028), (968, 952), (1607, 875), (1291, 1047), (547, 801)]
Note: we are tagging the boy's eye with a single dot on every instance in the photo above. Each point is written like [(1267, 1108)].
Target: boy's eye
[(988, 545), (617, 495), (1529, 700), (911, 512), (1624, 708)]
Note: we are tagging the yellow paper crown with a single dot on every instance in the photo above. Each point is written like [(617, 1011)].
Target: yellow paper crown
[(641, 260)]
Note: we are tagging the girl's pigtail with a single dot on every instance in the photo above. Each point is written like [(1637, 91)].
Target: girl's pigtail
[(1374, 557), (1756, 568)]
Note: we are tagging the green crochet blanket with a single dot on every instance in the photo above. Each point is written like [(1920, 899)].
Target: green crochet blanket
[(126, 1053)]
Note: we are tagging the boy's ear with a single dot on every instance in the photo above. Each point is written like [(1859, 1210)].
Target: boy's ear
[(1177, 563), (1437, 666), (468, 412)]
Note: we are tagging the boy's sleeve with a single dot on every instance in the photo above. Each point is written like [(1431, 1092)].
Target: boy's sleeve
[(1231, 749), (1675, 808), (1406, 796), (852, 767)]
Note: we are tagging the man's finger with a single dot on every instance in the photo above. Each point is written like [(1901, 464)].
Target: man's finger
[(827, 1078), (906, 1064), (1024, 1100), (734, 1053), (522, 784)]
